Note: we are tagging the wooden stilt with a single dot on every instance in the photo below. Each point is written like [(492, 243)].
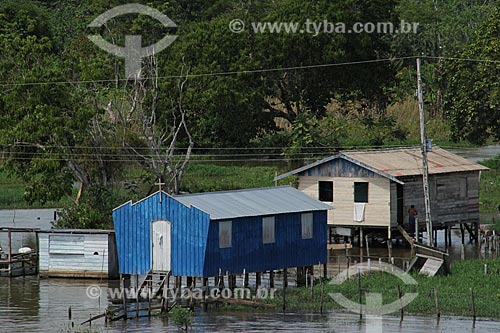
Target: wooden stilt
[(136, 296), (204, 294), (361, 237), (257, 279), (449, 236), (124, 296), (476, 232), (245, 280), (271, 279), (285, 285), (462, 232)]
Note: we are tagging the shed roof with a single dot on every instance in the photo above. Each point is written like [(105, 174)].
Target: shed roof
[(252, 202), (391, 163), (76, 231)]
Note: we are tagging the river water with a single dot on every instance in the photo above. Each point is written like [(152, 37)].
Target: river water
[(33, 304)]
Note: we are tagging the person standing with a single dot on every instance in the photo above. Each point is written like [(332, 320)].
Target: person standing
[(412, 212)]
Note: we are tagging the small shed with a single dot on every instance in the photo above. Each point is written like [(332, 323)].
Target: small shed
[(375, 188), (78, 253), (230, 232)]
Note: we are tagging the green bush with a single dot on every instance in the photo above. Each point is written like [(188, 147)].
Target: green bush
[(182, 317)]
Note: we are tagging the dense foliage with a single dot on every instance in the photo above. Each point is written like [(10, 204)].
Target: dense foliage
[(68, 115)]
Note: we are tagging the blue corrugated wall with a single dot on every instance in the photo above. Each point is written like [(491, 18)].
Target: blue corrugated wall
[(133, 235), (250, 254)]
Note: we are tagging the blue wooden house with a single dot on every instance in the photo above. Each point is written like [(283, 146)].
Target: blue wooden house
[(231, 232)]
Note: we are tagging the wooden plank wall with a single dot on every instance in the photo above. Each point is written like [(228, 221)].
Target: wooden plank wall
[(454, 197), (377, 211)]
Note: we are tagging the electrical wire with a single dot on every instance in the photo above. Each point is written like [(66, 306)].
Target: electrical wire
[(254, 71)]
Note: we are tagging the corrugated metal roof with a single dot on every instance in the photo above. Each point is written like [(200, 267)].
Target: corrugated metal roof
[(391, 163), (408, 161), (76, 231), (252, 202)]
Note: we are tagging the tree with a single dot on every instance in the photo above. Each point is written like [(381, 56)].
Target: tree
[(445, 29), (48, 130), (473, 96), (156, 139)]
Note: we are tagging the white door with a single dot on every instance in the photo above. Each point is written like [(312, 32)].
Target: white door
[(161, 245)]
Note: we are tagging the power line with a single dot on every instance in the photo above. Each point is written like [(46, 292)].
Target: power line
[(253, 71), (34, 145)]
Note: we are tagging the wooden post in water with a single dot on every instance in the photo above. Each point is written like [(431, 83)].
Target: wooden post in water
[(361, 237), (389, 248), (285, 284), (436, 302), (462, 232), (402, 311), (473, 307), (312, 286), (168, 288), (360, 296), (245, 280), (137, 296), (449, 236), (204, 294), (124, 296), (271, 279), (9, 250), (322, 296)]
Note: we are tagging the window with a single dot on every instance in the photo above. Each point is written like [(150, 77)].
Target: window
[(361, 192), (307, 225), (325, 191), (225, 229), (268, 230)]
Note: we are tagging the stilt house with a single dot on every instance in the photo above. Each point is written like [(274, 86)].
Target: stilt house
[(375, 188), (219, 233)]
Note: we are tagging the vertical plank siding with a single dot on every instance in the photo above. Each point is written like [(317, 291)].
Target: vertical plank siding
[(248, 253), (189, 230)]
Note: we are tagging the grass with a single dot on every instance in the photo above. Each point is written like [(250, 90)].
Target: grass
[(490, 192), (12, 195), (208, 178), (198, 178), (453, 291)]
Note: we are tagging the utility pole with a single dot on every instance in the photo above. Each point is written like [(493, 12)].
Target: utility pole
[(425, 173)]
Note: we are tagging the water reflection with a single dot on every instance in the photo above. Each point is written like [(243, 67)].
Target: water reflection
[(41, 305)]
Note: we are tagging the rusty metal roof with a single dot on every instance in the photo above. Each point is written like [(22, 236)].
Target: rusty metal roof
[(399, 162), (408, 161)]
